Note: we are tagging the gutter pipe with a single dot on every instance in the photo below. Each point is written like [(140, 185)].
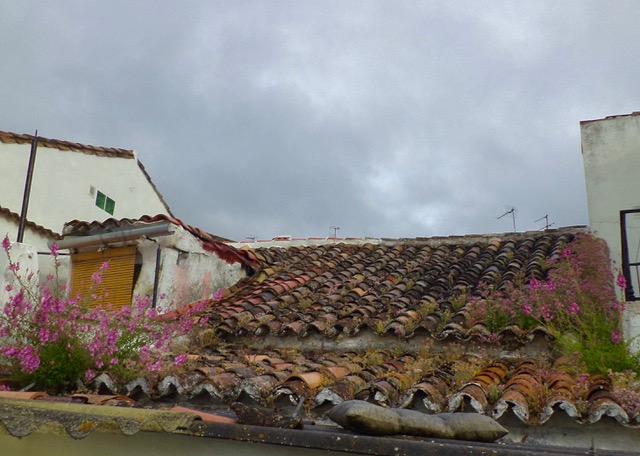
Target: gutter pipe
[(129, 234)]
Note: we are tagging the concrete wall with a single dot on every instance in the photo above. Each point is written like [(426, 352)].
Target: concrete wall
[(611, 154), (188, 273), (62, 182), (563, 431), (143, 444)]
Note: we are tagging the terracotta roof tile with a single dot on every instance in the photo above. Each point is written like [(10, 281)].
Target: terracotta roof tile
[(404, 287), (530, 388), (15, 138)]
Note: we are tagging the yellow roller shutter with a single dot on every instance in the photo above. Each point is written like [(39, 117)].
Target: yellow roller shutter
[(116, 287)]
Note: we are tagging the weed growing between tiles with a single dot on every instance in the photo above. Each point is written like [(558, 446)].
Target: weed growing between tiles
[(576, 303), (53, 340)]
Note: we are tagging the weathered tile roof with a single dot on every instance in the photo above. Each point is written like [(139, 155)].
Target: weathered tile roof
[(403, 288), (532, 389), (382, 323), (16, 138)]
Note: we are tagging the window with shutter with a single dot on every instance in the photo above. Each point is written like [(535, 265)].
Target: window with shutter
[(116, 287)]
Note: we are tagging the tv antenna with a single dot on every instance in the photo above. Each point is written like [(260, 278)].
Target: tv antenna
[(547, 225), (511, 210), (335, 230)]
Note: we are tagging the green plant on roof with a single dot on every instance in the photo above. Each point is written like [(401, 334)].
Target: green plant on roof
[(576, 303), (53, 340), (381, 325), (426, 307)]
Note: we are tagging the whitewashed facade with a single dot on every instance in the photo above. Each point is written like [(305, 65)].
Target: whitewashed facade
[(611, 154), (68, 180)]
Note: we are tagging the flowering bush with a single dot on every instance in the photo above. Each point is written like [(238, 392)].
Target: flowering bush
[(576, 303), (53, 340)]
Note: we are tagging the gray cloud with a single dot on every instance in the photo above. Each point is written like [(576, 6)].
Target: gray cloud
[(384, 118)]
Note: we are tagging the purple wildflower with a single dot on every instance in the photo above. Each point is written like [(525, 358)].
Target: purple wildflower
[(621, 281), (179, 360), (6, 244), (574, 308), (616, 337)]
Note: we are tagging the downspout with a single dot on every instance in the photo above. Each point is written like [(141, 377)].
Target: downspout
[(156, 278), (629, 294), (27, 188)]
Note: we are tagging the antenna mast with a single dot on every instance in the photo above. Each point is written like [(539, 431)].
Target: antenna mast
[(547, 225), (511, 211)]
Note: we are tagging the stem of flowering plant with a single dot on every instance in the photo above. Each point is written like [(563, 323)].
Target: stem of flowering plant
[(18, 277)]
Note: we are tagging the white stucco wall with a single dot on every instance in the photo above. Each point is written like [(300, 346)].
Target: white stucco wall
[(9, 227), (188, 273), (24, 254), (62, 182), (611, 154), (30, 261)]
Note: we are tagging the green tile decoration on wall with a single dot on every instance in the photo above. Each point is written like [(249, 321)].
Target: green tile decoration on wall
[(110, 206), (105, 203)]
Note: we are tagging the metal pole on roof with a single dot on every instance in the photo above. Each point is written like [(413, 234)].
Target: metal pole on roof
[(511, 211), (27, 188), (156, 278)]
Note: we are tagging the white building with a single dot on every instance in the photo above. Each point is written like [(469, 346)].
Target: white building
[(611, 154), (71, 181)]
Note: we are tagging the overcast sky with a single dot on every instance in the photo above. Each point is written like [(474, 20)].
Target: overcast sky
[(385, 118)]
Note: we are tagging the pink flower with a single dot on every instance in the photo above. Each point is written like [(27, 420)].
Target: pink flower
[(29, 359), (583, 378), (44, 335), (6, 244), (89, 374), (54, 249), (96, 278), (104, 265), (621, 281), (217, 296), (179, 360), (574, 308), (616, 337)]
